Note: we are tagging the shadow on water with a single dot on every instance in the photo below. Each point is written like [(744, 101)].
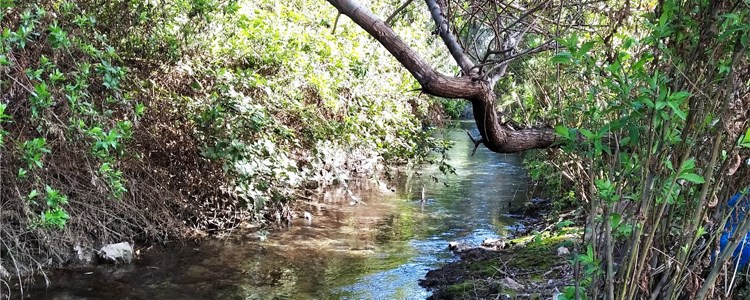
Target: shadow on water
[(379, 250)]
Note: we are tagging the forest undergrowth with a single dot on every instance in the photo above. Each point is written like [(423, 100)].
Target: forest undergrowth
[(147, 121)]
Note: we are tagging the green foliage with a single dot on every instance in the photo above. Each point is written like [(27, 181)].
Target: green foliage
[(54, 216), (105, 143), (283, 98), (67, 105), (33, 152), (4, 118), (638, 130), (744, 142), (114, 179), (111, 74), (58, 38), (453, 107), (54, 198)]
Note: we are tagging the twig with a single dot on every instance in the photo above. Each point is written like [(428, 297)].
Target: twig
[(476, 142), (336, 23), (397, 11)]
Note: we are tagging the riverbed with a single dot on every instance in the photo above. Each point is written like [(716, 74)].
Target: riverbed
[(378, 248)]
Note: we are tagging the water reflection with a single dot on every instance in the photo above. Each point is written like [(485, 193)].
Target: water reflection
[(375, 251)]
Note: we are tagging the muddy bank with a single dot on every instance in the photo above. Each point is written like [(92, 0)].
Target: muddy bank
[(532, 263)]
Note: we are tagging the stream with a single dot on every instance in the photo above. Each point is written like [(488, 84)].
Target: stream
[(376, 250)]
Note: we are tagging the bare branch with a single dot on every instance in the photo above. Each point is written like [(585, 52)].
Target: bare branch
[(390, 18), (499, 71), (450, 41), (526, 14)]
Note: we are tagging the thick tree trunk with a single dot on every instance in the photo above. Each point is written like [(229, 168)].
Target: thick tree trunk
[(478, 91), (501, 139)]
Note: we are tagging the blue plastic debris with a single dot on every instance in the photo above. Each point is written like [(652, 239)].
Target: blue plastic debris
[(737, 214)]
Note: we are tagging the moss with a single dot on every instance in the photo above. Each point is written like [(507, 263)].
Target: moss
[(460, 288), (484, 268), (480, 272), (536, 251)]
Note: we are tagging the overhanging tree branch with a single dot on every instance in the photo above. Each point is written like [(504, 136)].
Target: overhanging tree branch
[(478, 91), (432, 82)]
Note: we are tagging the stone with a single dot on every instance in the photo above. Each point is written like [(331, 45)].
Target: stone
[(511, 284), (84, 255), (494, 244), (120, 253), (457, 247), (562, 251)]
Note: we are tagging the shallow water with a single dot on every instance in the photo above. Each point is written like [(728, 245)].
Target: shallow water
[(376, 250)]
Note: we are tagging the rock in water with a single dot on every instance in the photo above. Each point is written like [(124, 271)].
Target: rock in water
[(120, 253), (457, 247)]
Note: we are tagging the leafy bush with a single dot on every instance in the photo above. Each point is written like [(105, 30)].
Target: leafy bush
[(648, 150)]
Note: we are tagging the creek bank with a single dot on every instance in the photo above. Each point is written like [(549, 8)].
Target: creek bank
[(377, 248), (524, 265)]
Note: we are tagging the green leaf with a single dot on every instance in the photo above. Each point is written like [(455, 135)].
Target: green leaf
[(587, 133), (731, 16), (679, 97), (564, 223), (692, 177), (562, 131), (34, 193), (745, 142), (562, 58), (677, 111), (585, 48), (688, 166)]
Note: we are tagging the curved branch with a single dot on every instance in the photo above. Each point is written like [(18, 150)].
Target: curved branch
[(432, 82), (498, 138), (479, 92)]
